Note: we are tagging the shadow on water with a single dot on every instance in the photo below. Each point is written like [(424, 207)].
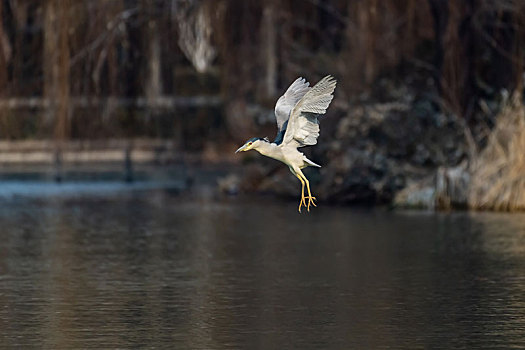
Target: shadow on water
[(151, 269)]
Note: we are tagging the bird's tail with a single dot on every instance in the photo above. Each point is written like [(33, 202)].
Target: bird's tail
[(309, 162)]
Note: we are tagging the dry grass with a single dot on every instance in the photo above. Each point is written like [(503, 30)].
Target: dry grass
[(451, 187), (498, 172)]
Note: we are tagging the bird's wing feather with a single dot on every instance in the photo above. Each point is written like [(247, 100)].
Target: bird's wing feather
[(287, 102), (303, 125)]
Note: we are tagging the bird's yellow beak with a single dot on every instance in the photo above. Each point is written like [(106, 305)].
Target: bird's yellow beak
[(241, 149)]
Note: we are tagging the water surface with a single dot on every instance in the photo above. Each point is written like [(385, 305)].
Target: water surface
[(151, 269)]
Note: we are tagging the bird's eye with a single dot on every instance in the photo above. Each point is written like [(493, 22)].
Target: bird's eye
[(250, 144)]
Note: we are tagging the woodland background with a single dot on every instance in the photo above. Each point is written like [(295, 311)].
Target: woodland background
[(428, 109)]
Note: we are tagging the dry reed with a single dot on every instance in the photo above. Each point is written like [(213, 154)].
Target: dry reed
[(498, 171)]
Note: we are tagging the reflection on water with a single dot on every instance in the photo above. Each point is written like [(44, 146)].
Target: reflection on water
[(158, 270)]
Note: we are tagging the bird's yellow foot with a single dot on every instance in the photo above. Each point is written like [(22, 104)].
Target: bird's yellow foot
[(310, 201), (302, 202)]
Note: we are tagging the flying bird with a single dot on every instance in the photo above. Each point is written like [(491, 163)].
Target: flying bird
[(296, 113)]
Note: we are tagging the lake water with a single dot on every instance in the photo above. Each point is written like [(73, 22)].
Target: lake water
[(153, 269)]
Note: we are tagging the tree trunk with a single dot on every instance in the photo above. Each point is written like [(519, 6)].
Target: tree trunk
[(154, 85), (439, 10), (269, 38), (56, 65), (5, 52)]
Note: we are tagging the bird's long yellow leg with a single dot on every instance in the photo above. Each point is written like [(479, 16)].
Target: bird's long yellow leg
[(310, 197), (302, 202)]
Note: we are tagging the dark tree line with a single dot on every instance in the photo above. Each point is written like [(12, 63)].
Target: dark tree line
[(61, 50)]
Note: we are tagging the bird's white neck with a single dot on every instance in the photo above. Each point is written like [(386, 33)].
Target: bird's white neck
[(266, 148)]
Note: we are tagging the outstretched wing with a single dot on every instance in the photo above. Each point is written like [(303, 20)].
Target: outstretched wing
[(303, 126), (287, 102)]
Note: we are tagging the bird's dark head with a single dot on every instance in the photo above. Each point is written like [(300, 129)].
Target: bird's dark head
[(252, 143)]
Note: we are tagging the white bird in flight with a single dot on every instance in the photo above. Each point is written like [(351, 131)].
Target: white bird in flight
[(296, 112)]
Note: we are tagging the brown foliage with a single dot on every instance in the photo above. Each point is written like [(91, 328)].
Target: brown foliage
[(498, 172)]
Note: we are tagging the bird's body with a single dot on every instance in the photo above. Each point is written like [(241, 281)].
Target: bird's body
[(288, 155), (296, 113)]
